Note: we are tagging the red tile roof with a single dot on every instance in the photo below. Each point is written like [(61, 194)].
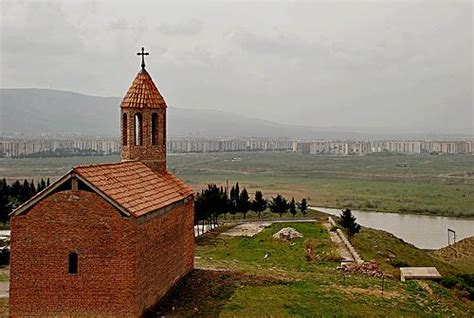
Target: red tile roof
[(134, 186), (143, 93)]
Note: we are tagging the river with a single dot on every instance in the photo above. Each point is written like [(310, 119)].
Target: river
[(423, 231)]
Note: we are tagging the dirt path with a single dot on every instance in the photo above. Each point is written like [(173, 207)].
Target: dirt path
[(342, 249)]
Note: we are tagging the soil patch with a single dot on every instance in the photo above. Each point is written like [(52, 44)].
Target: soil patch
[(356, 291), (248, 229), (203, 293)]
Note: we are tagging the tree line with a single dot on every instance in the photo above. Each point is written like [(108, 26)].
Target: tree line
[(12, 195), (215, 201)]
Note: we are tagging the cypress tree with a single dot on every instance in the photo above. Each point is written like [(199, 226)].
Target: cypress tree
[(293, 207), (43, 184), (25, 191), (244, 203), (15, 189), (237, 192), (32, 189), (348, 221)]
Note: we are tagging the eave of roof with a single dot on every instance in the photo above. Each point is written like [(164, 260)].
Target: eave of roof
[(147, 191)]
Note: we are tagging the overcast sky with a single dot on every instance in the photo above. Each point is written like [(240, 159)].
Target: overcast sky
[(399, 66)]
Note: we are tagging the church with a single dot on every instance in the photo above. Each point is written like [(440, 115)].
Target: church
[(107, 239)]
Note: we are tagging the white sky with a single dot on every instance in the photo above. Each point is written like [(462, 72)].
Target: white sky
[(395, 66)]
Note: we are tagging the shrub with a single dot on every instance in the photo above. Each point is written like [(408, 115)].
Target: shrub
[(309, 247), (4, 256), (330, 256), (398, 263), (449, 282)]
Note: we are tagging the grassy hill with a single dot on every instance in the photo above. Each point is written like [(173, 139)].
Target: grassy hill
[(235, 280)]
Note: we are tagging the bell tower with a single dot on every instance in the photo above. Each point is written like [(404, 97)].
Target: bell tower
[(143, 122)]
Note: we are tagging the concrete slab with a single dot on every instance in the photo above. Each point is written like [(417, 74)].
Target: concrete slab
[(4, 289), (419, 273), (247, 229)]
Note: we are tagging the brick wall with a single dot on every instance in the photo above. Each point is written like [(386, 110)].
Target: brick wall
[(124, 265), (166, 253), (153, 156)]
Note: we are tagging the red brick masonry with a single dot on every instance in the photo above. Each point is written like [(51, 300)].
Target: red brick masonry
[(125, 264)]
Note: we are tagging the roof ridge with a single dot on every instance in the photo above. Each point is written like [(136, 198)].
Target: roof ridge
[(106, 164)]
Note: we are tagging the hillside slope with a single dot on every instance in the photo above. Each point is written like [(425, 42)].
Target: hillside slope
[(459, 254), (33, 111)]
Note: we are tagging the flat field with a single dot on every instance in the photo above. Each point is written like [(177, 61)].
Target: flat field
[(423, 184)]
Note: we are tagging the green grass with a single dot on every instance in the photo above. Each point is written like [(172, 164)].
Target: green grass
[(4, 277), (282, 255), (392, 252), (316, 289), (427, 184), (3, 307)]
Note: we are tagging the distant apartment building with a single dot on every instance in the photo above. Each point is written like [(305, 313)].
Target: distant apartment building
[(183, 145), (14, 147), (379, 146), (322, 147), (406, 147), (21, 147)]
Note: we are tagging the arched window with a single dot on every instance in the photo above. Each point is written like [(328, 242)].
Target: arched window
[(124, 129), (72, 263), (154, 128), (138, 129)]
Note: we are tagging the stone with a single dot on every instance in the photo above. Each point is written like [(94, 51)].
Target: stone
[(367, 268), (288, 234)]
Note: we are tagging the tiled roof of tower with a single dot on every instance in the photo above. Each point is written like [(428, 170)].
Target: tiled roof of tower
[(134, 186), (143, 93)]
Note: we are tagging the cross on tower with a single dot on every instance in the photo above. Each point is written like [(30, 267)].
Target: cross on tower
[(143, 53)]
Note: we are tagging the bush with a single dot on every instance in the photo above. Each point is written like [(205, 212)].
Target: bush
[(398, 263), (309, 247), (468, 279), (4, 256), (330, 256), (449, 282)]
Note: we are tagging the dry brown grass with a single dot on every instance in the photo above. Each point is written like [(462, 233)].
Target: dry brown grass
[(460, 254), (309, 247)]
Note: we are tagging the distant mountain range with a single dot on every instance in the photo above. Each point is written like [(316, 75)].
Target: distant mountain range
[(37, 111), (34, 111)]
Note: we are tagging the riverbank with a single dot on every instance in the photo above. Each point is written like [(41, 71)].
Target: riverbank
[(462, 216), (425, 232)]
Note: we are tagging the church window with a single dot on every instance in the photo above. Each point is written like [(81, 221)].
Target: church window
[(138, 129), (154, 128), (124, 129), (72, 263)]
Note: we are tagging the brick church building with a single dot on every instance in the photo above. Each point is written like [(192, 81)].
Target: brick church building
[(106, 239)]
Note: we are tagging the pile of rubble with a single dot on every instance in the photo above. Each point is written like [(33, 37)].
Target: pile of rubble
[(367, 268), (287, 233)]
